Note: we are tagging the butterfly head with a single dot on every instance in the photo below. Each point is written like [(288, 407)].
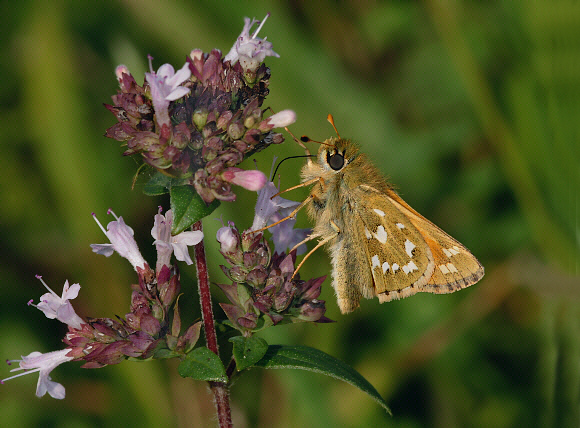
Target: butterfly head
[(335, 154)]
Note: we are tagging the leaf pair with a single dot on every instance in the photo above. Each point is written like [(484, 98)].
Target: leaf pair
[(202, 364)]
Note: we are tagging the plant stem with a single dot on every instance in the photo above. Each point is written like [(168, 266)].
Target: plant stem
[(220, 390)]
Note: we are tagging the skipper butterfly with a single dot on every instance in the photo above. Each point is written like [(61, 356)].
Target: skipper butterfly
[(379, 245)]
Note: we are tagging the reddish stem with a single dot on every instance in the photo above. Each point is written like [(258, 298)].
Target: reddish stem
[(220, 390), (204, 293)]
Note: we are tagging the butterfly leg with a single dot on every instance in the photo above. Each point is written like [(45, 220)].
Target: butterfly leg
[(298, 186), (320, 244), (292, 214)]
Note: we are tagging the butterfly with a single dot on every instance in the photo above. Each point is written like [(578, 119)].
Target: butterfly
[(379, 245)]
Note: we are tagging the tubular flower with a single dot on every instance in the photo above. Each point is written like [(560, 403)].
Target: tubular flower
[(60, 308), (165, 88), (122, 241), (167, 244), (44, 364), (250, 50)]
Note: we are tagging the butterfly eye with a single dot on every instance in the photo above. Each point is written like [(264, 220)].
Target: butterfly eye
[(336, 161)]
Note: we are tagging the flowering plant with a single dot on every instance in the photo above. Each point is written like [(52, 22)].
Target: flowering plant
[(193, 127)]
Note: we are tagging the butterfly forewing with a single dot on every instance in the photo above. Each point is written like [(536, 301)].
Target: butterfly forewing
[(455, 266)]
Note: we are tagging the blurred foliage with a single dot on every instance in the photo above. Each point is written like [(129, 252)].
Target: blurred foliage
[(471, 107)]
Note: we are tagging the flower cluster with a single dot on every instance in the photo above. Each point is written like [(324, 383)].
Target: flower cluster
[(195, 125), (151, 328), (265, 289)]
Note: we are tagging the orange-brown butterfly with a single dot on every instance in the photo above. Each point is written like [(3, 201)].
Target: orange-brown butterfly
[(379, 245)]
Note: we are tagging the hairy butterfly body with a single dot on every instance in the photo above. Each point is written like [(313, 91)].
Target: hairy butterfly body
[(379, 245)]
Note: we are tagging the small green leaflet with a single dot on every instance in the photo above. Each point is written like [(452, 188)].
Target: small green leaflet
[(202, 364), (248, 351), (188, 207)]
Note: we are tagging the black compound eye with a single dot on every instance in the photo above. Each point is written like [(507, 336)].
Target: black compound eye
[(336, 161)]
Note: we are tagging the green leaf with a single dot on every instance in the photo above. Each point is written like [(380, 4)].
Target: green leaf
[(188, 207), (306, 358), (157, 185), (248, 351), (202, 364)]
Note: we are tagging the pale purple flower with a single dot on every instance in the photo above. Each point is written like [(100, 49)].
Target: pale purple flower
[(122, 241), (166, 243), (284, 235), (43, 363), (165, 87), (250, 50), (269, 210), (251, 180), (227, 238), (60, 308)]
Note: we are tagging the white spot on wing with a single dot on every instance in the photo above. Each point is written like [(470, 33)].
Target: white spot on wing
[(385, 267), (379, 212), (443, 269), (410, 267), (376, 261), (451, 251), (381, 235), (451, 267), (368, 234), (409, 246), (400, 225), (395, 267)]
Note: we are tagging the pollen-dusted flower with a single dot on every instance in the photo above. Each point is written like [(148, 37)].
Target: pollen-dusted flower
[(43, 363), (166, 243), (122, 241), (60, 308)]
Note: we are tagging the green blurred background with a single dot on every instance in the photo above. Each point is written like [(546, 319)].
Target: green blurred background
[(470, 107)]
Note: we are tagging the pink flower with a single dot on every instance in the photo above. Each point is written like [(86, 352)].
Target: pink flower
[(165, 87), (250, 50), (251, 180), (43, 363), (278, 120), (166, 243), (122, 241), (60, 308), (120, 70)]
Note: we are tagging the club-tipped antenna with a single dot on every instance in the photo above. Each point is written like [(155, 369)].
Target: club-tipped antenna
[(331, 120), (300, 143)]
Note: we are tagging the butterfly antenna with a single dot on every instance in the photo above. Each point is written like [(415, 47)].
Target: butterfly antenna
[(299, 142), (331, 120)]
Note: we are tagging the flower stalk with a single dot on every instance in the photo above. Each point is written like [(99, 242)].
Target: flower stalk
[(220, 390)]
